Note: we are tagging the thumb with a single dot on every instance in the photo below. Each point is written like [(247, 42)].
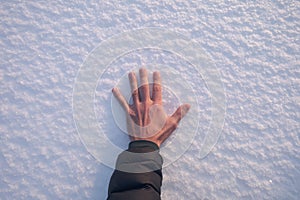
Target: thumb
[(181, 112)]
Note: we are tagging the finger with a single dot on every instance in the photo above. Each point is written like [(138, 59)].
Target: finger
[(180, 112), (144, 89), (157, 89), (121, 99), (134, 88), (166, 133)]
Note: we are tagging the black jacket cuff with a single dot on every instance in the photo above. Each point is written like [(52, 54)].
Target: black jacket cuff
[(142, 146), (140, 157)]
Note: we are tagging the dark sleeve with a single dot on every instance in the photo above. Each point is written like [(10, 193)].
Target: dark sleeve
[(138, 173)]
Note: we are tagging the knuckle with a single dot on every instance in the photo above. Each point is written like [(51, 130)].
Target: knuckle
[(131, 113), (156, 88), (173, 123), (135, 93), (144, 87)]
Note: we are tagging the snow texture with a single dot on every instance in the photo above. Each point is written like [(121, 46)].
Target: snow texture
[(254, 45)]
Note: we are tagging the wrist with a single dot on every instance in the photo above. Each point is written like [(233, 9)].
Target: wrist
[(142, 146)]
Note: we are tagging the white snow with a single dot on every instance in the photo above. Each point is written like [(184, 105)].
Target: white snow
[(253, 44)]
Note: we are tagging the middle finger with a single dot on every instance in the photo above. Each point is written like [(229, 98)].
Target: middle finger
[(144, 88)]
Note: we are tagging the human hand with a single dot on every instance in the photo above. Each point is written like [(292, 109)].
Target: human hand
[(146, 117)]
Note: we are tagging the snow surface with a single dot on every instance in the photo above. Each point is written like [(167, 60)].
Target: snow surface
[(254, 45)]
